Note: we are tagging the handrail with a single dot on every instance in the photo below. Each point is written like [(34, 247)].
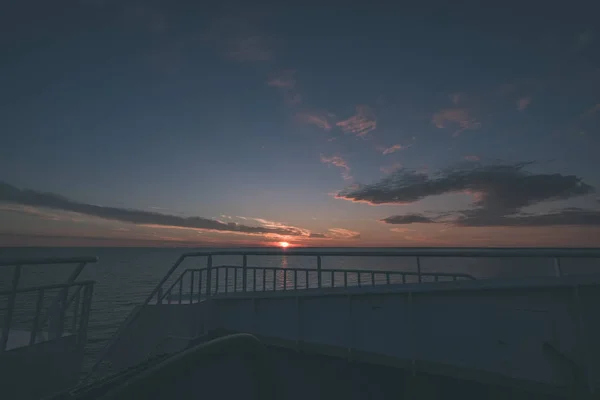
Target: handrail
[(18, 263), (349, 270), (47, 287), (133, 316), (168, 294), (419, 252), (9, 262), (38, 324)]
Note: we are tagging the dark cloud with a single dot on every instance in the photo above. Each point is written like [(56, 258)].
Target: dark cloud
[(498, 189), (479, 218), (567, 216), (408, 219), (14, 195), (336, 233)]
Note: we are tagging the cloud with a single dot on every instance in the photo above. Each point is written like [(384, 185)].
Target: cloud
[(342, 233), (318, 236), (480, 218), (472, 158), (283, 80), (338, 162), (523, 103), (501, 189), (360, 124), (31, 198), (392, 149), (391, 168), (566, 216), (408, 219), (401, 230), (336, 233), (318, 120), (455, 117), (500, 193)]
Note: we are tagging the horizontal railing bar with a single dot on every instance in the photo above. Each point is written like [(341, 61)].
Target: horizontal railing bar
[(7, 262), (47, 287), (415, 252), (361, 271)]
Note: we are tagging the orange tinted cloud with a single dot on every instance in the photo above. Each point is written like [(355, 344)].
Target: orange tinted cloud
[(360, 124), (455, 117), (318, 120)]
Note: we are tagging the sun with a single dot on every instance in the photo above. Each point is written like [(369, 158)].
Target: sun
[(284, 244)]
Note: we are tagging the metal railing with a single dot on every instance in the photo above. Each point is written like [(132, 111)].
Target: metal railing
[(73, 314), (227, 279), (417, 253), (55, 315)]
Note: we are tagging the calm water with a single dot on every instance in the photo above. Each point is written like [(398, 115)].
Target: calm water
[(125, 276)]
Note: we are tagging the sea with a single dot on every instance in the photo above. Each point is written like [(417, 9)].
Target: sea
[(125, 276)]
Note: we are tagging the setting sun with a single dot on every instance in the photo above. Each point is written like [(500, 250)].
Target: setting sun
[(284, 244)]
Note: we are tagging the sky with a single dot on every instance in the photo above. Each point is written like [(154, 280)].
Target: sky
[(184, 123)]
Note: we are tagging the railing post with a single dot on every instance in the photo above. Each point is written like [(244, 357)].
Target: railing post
[(419, 268), (199, 286), (244, 265), (36, 319), (192, 287), (181, 287), (76, 309), (10, 308), (306, 277), (319, 271), (208, 276), (557, 268), (85, 316), (62, 311)]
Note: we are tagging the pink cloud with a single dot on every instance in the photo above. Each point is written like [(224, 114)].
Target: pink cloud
[(523, 103), (360, 124), (340, 163), (314, 119), (342, 233), (455, 117), (392, 149), (472, 158)]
